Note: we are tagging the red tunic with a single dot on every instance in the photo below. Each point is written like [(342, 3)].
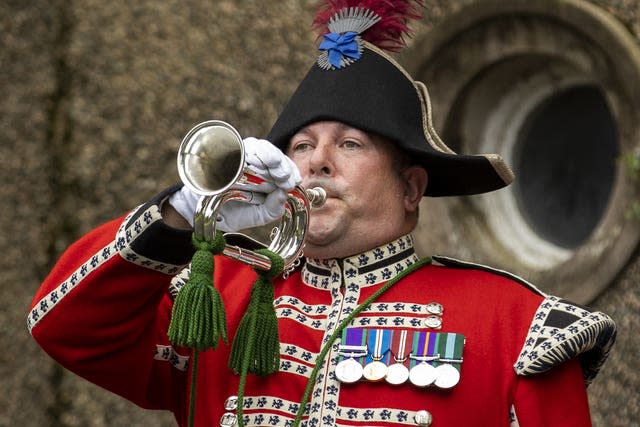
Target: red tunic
[(104, 310)]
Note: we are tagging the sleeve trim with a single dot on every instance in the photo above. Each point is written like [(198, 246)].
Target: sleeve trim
[(135, 240), (49, 301)]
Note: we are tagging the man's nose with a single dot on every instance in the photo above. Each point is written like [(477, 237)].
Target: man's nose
[(321, 163)]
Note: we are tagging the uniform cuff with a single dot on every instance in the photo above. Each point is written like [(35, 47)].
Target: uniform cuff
[(145, 239)]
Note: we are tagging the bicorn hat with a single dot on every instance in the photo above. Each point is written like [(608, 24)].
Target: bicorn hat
[(356, 82)]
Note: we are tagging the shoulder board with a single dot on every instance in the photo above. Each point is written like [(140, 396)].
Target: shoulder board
[(456, 263), (561, 330)]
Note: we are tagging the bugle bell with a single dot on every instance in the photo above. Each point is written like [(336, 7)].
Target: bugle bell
[(211, 163)]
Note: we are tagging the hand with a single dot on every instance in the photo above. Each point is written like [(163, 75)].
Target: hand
[(268, 162), (271, 164)]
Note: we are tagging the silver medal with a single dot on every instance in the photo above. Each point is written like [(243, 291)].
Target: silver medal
[(422, 375), (349, 370), (446, 376), (397, 374)]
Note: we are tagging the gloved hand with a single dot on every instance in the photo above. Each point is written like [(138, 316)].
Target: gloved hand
[(268, 162)]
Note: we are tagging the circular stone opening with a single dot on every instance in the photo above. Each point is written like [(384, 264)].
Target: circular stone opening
[(565, 161), (554, 88)]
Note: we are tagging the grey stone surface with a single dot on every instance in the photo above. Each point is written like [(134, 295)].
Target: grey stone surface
[(94, 99), (614, 394)]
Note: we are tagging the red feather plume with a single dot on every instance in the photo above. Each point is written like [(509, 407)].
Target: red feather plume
[(388, 33)]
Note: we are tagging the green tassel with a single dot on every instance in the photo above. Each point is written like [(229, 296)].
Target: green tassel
[(198, 318), (256, 343)]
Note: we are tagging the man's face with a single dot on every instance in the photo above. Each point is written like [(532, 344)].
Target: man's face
[(367, 203)]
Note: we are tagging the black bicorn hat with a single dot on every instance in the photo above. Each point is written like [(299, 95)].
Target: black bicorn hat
[(355, 82)]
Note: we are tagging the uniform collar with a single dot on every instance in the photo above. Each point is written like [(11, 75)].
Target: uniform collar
[(365, 269)]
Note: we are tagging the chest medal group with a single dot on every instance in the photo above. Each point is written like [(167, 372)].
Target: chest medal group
[(422, 358)]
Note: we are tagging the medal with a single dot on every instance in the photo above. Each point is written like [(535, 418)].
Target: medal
[(422, 374), (448, 375), (425, 344), (375, 371), (398, 373), (348, 369), (378, 346)]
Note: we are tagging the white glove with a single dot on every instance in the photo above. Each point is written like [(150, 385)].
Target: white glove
[(268, 162), (271, 164)]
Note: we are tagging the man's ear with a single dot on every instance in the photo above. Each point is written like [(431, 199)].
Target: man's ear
[(416, 180)]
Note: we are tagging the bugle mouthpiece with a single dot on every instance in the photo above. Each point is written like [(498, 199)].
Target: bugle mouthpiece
[(317, 196)]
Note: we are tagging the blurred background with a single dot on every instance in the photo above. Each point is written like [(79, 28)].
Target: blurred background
[(96, 96)]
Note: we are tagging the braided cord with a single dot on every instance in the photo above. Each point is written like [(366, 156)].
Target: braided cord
[(192, 394), (256, 345)]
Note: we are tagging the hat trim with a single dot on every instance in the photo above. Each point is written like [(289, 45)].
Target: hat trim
[(425, 103), (427, 120), (502, 169)]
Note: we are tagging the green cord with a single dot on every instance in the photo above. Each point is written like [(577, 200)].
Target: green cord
[(192, 395), (327, 345), (246, 360), (256, 345)]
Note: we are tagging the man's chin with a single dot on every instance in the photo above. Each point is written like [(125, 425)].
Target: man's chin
[(315, 240), (318, 245)]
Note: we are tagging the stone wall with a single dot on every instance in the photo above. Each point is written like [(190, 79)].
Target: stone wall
[(95, 99)]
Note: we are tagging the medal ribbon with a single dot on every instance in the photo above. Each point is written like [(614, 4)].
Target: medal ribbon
[(451, 348), (426, 345), (353, 342), (378, 341), (400, 345)]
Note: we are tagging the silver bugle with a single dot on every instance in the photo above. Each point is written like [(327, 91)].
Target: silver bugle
[(211, 163)]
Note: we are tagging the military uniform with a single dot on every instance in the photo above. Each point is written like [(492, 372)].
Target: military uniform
[(104, 311)]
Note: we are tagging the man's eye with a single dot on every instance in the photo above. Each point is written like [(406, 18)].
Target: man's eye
[(351, 144), (302, 147)]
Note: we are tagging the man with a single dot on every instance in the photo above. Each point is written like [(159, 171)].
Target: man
[(369, 334)]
